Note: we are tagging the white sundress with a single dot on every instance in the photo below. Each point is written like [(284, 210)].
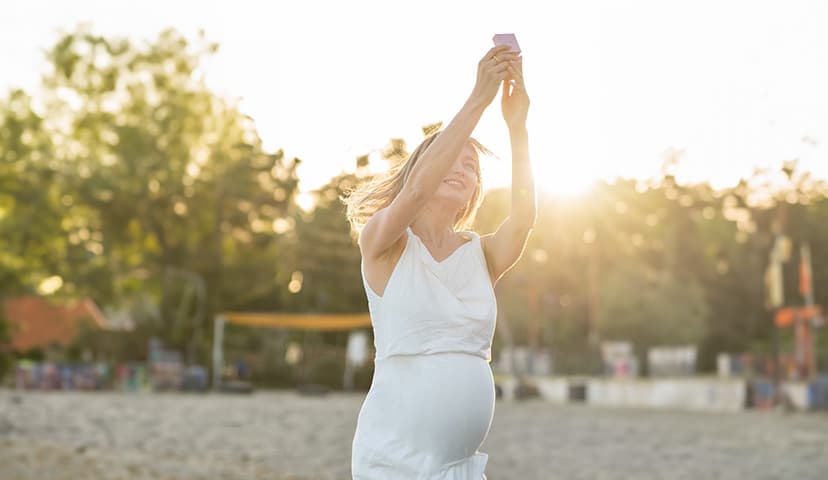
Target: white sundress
[(432, 398)]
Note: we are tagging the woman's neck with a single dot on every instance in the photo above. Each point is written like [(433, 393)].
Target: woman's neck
[(435, 225)]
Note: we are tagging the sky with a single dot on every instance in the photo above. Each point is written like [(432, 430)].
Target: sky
[(734, 85)]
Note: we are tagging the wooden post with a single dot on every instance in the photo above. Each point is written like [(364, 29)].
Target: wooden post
[(218, 360)]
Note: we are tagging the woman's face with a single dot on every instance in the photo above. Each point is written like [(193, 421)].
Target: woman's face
[(461, 180)]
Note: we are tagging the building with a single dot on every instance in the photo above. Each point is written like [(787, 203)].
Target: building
[(37, 323)]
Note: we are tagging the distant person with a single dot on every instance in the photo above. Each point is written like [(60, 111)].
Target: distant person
[(241, 369), (430, 290)]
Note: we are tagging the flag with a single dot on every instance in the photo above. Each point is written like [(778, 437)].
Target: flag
[(774, 296), (774, 284), (805, 273)]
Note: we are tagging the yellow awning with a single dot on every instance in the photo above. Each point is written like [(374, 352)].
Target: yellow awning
[(306, 321)]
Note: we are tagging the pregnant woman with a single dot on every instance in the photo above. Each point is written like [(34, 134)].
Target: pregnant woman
[(430, 291)]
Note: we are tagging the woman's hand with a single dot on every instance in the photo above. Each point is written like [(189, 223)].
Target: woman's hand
[(492, 69), (514, 101)]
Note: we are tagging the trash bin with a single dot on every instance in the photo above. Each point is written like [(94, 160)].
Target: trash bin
[(577, 392)]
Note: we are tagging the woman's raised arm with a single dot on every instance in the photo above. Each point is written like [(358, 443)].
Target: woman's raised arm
[(387, 226)]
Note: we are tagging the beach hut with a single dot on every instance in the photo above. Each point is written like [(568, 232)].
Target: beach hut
[(37, 323)]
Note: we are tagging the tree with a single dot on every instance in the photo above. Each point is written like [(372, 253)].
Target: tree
[(30, 201), (166, 181), (327, 257)]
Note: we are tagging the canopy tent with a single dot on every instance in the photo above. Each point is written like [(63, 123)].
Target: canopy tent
[(309, 321), (303, 321)]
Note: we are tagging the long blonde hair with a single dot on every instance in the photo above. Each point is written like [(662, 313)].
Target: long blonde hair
[(374, 195)]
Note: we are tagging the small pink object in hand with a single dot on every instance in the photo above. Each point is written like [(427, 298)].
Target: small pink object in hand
[(507, 39)]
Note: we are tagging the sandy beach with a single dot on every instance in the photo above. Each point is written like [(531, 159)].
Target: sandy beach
[(282, 435)]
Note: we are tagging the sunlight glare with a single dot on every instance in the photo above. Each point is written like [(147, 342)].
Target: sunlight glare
[(557, 178), (570, 181)]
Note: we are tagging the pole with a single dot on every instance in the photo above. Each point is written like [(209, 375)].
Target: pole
[(218, 338), (775, 297), (533, 325), (593, 301), (806, 287)]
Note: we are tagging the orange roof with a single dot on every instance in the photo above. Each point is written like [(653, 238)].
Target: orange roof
[(36, 322)]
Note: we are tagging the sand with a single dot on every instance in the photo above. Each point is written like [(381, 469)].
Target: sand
[(282, 435)]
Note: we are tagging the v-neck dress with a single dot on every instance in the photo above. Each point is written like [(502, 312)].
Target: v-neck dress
[(431, 401)]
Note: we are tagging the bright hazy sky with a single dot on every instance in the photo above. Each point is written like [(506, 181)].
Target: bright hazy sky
[(736, 84)]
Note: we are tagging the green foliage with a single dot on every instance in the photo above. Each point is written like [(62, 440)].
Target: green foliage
[(651, 308), (326, 255), (658, 264), (139, 187), (363, 376), (6, 357), (152, 180), (30, 209), (327, 370)]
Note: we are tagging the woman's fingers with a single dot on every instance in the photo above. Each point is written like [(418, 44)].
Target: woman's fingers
[(501, 67), (497, 50), (506, 57), (493, 69), (517, 75), (506, 92), (519, 70), (502, 57), (500, 64)]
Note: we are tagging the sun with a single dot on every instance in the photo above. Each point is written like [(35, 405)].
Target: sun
[(557, 179), (567, 180)]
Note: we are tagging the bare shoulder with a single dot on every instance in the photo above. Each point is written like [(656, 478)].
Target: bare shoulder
[(392, 254), (378, 268), (378, 238)]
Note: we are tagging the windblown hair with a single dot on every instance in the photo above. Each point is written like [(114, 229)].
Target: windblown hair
[(377, 193)]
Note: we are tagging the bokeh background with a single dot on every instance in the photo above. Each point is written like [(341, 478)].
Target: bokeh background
[(165, 163)]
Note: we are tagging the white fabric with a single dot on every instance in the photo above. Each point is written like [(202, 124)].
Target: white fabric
[(431, 401)]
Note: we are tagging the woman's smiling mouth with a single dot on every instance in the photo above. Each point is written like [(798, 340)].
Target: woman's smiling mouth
[(455, 182)]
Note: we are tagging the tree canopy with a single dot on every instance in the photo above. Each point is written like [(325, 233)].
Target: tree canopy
[(126, 179)]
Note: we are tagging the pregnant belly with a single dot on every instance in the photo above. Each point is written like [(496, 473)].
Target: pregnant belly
[(438, 405)]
